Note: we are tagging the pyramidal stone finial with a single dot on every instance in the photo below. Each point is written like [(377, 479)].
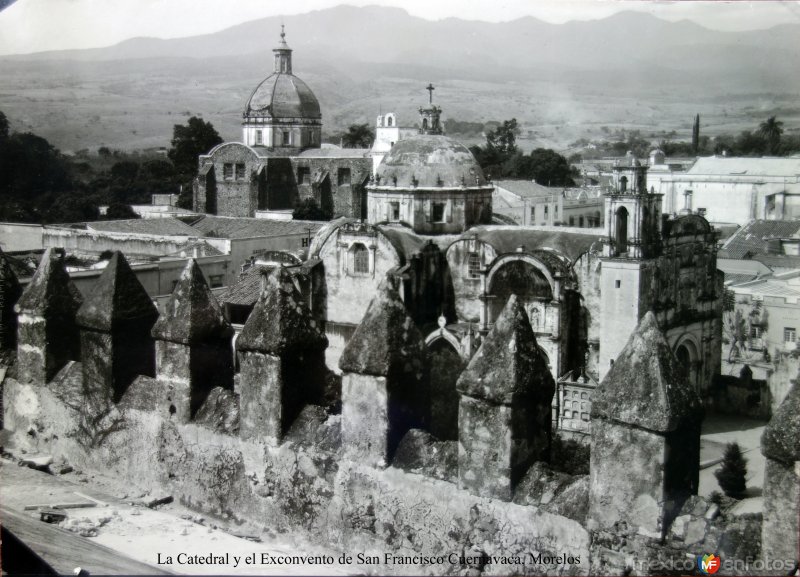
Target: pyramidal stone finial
[(508, 362), (386, 339), (192, 314), (644, 387), (118, 296), (10, 291), (781, 437), (280, 321), (50, 292)]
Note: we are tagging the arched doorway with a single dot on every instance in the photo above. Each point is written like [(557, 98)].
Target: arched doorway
[(446, 367), (688, 357)]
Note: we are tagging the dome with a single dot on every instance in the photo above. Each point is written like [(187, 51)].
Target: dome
[(283, 95), (433, 161)]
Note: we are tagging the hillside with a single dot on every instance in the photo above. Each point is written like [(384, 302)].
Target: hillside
[(561, 81)]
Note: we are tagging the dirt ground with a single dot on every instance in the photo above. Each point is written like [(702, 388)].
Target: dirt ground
[(120, 521)]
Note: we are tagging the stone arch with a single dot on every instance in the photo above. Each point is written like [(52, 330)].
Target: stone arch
[(687, 352), (504, 260), (447, 364), (521, 274)]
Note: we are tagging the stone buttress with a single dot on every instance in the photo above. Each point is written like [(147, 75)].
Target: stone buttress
[(115, 323), (645, 455), (504, 418), (282, 360), (194, 353), (384, 381), (780, 444), (10, 291), (47, 337)]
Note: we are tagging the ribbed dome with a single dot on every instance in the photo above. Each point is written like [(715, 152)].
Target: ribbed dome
[(283, 95), (433, 161)]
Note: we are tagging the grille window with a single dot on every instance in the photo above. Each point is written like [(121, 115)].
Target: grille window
[(227, 170), (474, 264), (360, 259), (239, 171)]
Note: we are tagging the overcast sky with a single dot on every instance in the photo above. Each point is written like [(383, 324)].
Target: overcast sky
[(35, 25)]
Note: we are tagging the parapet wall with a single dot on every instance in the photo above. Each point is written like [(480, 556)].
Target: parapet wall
[(282, 446)]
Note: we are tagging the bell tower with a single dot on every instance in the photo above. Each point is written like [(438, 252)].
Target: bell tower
[(633, 215), (631, 248)]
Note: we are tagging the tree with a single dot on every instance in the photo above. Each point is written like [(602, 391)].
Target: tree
[(118, 210), (500, 148), (308, 209), (696, 134), (3, 126), (771, 130), (358, 136), (189, 142), (733, 473)]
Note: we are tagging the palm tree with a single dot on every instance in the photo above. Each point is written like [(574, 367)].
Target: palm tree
[(771, 130), (358, 136)]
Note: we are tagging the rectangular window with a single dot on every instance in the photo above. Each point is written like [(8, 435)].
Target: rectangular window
[(287, 138), (394, 211), (555, 211), (533, 213), (474, 264), (227, 170), (344, 176), (617, 283), (239, 171), (755, 332), (437, 212), (303, 175), (215, 280), (259, 137), (546, 208), (790, 335), (360, 259)]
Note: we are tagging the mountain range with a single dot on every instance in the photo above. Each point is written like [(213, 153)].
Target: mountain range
[(630, 70)]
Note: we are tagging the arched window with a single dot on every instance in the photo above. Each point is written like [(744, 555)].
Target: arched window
[(360, 259), (424, 124), (623, 184), (389, 121), (622, 230)]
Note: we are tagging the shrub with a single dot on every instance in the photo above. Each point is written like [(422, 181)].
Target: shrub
[(732, 475)]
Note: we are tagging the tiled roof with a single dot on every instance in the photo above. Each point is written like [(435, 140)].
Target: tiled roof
[(769, 287), (742, 166), (779, 261), (246, 290), (752, 238), (158, 226), (243, 227), (527, 188)]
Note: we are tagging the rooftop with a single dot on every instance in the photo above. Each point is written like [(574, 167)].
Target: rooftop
[(752, 239), (528, 188), (244, 227), (156, 226), (744, 166)]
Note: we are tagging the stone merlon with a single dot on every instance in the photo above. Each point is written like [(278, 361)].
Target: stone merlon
[(50, 292), (781, 438), (509, 363), (644, 388), (192, 314), (117, 297), (387, 340), (280, 321)]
